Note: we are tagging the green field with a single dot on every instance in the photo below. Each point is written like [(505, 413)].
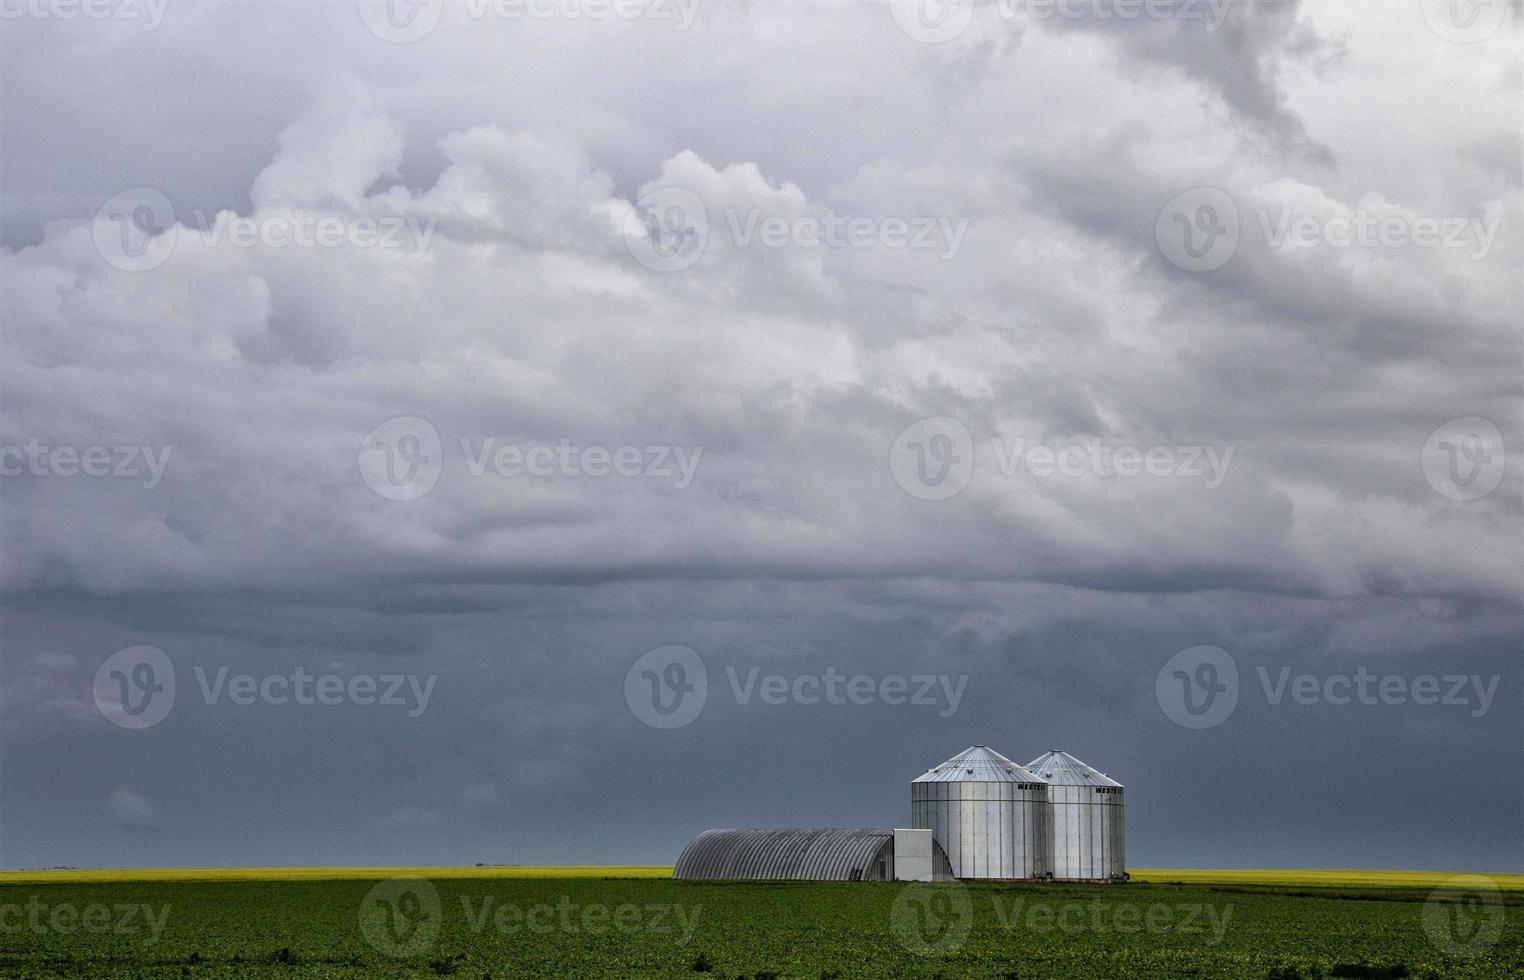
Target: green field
[(510, 922)]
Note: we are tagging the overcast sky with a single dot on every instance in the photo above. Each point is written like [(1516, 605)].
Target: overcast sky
[(1023, 348)]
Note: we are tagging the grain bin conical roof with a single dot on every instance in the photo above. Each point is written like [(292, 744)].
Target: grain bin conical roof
[(1063, 769), (977, 764)]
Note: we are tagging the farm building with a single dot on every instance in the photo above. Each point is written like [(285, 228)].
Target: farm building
[(989, 814), (834, 854), (1088, 842), (977, 815)]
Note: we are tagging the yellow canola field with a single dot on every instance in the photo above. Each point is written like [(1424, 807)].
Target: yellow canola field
[(1323, 877)]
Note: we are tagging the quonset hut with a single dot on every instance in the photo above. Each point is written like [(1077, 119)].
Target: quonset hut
[(1088, 839), (834, 854), (989, 814), (977, 815)]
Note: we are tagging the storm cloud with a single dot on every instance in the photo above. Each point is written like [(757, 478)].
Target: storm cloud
[(504, 354)]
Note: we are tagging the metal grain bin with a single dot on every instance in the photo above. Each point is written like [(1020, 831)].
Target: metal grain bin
[(1089, 836), (989, 814)]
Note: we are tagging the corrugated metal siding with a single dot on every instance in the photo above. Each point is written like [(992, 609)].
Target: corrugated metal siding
[(810, 855), (1089, 829)]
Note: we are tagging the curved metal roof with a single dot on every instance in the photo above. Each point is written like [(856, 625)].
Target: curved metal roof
[(1063, 769), (977, 764), (813, 855)]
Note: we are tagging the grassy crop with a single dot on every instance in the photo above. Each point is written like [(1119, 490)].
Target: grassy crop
[(504, 922)]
